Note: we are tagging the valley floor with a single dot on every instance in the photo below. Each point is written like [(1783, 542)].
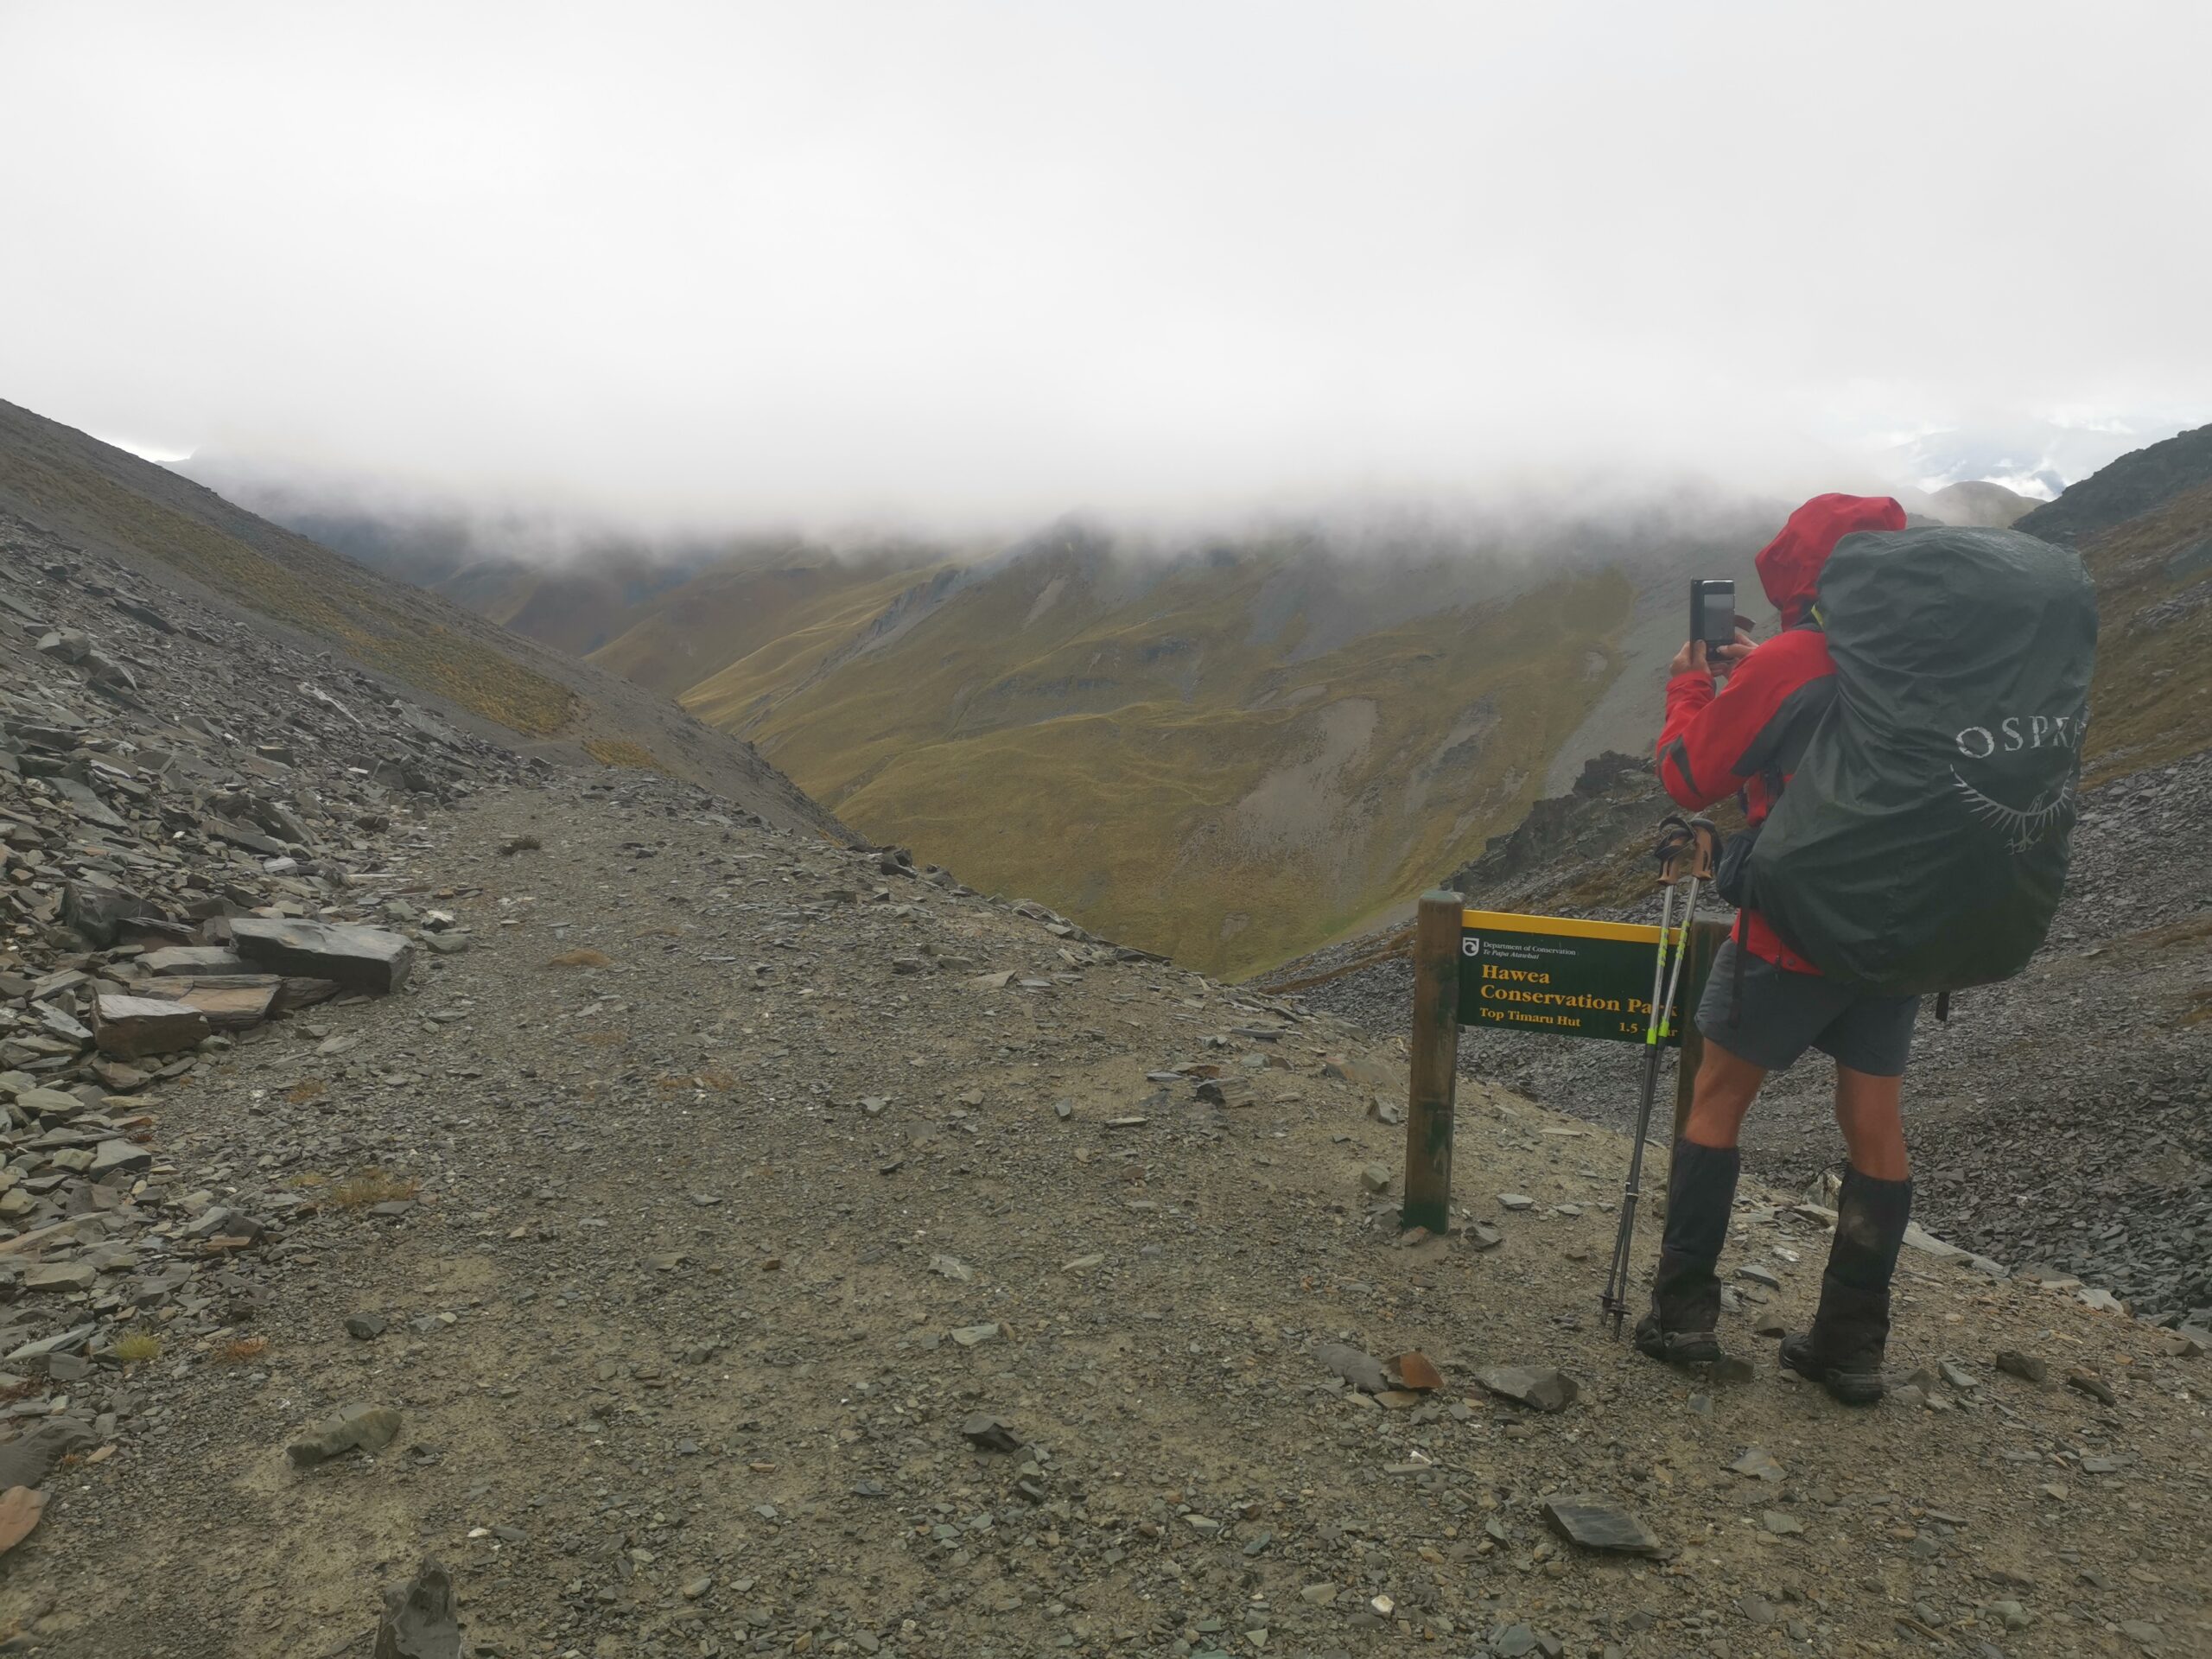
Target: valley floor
[(721, 1247)]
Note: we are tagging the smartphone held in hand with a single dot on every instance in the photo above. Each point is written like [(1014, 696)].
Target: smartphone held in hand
[(1712, 612)]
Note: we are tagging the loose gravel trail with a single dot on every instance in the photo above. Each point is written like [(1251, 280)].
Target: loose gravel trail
[(731, 1185)]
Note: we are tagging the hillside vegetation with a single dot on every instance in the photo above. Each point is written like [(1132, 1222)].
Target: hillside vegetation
[(172, 531), (2144, 527), (1135, 748)]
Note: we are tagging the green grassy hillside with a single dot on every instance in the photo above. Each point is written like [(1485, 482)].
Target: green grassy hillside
[(1179, 753)]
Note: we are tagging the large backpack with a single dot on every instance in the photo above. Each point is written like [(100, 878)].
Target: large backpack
[(1921, 845)]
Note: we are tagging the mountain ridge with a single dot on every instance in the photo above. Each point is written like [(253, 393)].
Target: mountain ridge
[(176, 531)]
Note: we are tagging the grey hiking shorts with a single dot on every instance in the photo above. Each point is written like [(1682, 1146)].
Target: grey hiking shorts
[(1783, 1014)]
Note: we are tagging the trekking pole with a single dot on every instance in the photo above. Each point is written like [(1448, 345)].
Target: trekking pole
[(1685, 853)]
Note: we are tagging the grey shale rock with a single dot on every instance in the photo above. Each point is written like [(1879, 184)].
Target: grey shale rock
[(419, 1621), (128, 1027), (1539, 1387), (359, 958), (355, 1429), (1593, 1523), (1362, 1370)]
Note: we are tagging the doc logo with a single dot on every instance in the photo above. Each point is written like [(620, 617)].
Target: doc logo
[(1472, 945)]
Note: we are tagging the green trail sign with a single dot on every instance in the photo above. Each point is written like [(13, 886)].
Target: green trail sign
[(1553, 976), (1557, 976)]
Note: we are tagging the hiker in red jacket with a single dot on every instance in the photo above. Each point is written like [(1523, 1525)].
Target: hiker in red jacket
[(1765, 1005)]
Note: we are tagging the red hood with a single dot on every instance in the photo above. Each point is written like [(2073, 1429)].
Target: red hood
[(1789, 565)]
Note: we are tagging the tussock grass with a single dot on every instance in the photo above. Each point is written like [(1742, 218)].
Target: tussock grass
[(620, 752), (240, 1351), (305, 1089), (137, 1347), (372, 1187)]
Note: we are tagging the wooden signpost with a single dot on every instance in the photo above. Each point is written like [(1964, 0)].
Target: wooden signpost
[(1557, 976)]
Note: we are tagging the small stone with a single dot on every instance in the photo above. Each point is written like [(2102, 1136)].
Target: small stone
[(952, 1267), (1376, 1177), (696, 1588), (419, 1620), (1362, 1370), (1958, 1376), (987, 1434), (363, 1327), (1318, 1595), (365, 1429), (1757, 1464), (1417, 1370), (2142, 1632), (968, 1336), (62, 1276), (1733, 1368), (1782, 1525), (1759, 1275), (20, 1508), (2026, 1367), (1516, 1201), (1540, 1388), (1594, 1524), (2095, 1387)]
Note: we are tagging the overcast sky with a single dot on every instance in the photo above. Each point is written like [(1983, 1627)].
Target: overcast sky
[(948, 260)]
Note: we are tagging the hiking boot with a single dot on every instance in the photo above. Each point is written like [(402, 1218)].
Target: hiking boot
[(1685, 1314), (1844, 1350), (1685, 1290)]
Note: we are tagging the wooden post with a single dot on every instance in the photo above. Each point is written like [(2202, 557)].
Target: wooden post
[(1704, 944), (1435, 1062)]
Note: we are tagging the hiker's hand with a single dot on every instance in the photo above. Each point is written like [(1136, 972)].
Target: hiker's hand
[(1729, 656), (1692, 657)]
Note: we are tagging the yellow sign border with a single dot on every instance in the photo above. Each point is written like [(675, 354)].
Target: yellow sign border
[(1573, 927)]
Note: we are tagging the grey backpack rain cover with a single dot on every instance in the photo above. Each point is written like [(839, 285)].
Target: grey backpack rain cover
[(1921, 844)]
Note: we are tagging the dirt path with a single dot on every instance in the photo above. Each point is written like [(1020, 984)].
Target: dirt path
[(718, 1248)]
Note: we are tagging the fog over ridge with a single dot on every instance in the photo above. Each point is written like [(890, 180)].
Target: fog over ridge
[(952, 271)]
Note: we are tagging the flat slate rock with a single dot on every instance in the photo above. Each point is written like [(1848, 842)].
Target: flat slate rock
[(127, 1026), (1362, 1370), (359, 958), (228, 1006), (365, 1428), (1539, 1387), (193, 959), (1594, 1524), (30, 1461), (1757, 1464)]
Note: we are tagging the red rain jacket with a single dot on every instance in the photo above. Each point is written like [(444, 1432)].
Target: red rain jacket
[(1741, 739)]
